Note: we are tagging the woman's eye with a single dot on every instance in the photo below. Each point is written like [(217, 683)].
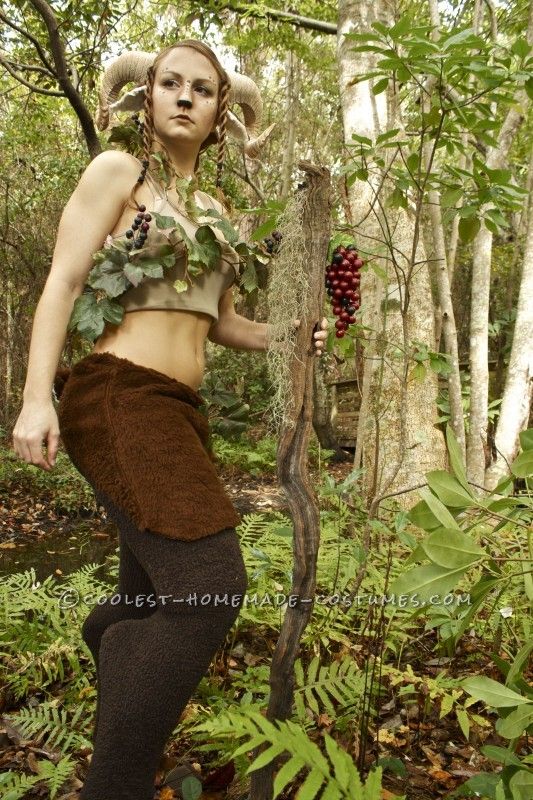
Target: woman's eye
[(171, 80)]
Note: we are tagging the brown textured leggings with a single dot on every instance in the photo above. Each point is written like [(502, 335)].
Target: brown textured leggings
[(150, 658)]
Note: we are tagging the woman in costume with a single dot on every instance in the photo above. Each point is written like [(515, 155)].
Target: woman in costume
[(129, 413)]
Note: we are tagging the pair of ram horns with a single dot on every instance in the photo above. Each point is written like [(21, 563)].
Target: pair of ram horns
[(132, 67)]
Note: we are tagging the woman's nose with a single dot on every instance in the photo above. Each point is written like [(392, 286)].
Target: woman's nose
[(185, 97)]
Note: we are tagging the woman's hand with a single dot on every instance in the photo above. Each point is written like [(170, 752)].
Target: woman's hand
[(320, 336), (37, 422)]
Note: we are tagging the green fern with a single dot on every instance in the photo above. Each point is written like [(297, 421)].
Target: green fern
[(55, 775), (13, 785), (54, 727), (337, 778), (342, 680)]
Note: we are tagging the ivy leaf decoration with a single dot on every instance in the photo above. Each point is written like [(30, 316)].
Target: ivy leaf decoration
[(128, 138), (185, 191), (163, 221), (180, 286), (135, 274), (109, 276), (224, 225), (89, 316), (163, 169)]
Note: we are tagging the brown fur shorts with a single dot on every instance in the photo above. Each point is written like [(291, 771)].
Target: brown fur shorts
[(138, 435)]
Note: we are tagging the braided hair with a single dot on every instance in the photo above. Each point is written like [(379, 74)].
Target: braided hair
[(216, 137)]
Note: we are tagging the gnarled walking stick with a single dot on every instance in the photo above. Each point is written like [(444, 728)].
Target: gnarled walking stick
[(314, 224)]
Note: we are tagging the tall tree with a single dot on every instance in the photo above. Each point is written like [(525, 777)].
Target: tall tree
[(518, 393), (397, 432), (496, 159)]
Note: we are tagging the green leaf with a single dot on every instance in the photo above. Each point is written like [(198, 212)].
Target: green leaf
[(134, 274), (456, 458), (426, 582), (450, 548), (222, 223), (422, 516), (438, 509), (464, 722), (113, 283), (501, 755), (380, 86), (163, 221), (111, 310), (450, 197), (151, 268), (521, 47), (287, 772), (449, 490), (521, 785), (468, 228), (526, 439), (492, 693), (519, 661), (311, 786), (180, 286), (516, 722), (522, 466), (265, 229)]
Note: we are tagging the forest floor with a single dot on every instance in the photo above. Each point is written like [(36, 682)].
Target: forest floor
[(434, 755)]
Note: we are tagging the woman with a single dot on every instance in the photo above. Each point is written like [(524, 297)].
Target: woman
[(130, 420)]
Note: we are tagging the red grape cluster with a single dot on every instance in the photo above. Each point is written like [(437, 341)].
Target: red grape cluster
[(343, 277)]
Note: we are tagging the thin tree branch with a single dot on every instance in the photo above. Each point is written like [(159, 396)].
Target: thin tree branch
[(62, 69), (31, 86), (283, 16)]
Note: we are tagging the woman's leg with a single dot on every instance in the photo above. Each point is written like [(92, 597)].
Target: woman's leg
[(134, 598), (150, 667)]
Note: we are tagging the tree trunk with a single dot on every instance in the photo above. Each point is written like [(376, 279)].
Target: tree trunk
[(497, 157), (516, 403), (397, 438)]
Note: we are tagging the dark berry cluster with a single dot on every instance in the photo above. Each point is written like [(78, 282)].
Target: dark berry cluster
[(141, 222), (139, 124), (273, 242), (343, 277)]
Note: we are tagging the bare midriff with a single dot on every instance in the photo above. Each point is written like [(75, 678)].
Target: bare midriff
[(170, 341)]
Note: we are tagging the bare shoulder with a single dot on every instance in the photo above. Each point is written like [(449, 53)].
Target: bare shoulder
[(111, 167)]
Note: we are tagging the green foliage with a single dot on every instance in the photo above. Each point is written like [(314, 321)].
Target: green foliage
[(454, 517), (336, 776), (253, 457), (64, 488), (443, 404), (513, 702), (483, 75), (335, 688)]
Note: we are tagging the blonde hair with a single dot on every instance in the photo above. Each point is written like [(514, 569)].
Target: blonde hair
[(221, 119)]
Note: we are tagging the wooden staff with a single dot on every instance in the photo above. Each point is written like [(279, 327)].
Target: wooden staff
[(292, 464)]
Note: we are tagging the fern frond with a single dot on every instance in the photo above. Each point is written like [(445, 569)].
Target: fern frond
[(336, 775)]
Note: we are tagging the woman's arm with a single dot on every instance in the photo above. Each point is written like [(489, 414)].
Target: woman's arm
[(233, 330), (91, 213)]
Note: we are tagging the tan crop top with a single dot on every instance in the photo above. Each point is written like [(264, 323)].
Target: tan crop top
[(206, 289)]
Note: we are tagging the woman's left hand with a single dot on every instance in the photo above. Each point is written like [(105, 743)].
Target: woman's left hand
[(320, 336)]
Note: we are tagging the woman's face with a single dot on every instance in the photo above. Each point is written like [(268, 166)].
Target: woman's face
[(185, 83)]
